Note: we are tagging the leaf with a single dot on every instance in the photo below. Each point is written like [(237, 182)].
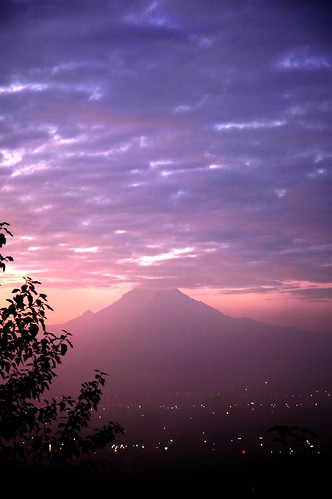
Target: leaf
[(33, 329), (63, 348)]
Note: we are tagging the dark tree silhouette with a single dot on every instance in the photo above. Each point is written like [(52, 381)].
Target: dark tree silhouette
[(36, 433), (303, 434), (295, 433), (284, 433), (4, 231)]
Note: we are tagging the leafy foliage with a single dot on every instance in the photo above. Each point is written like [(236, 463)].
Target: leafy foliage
[(3, 232), (34, 431)]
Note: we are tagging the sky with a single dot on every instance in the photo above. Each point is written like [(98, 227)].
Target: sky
[(169, 143)]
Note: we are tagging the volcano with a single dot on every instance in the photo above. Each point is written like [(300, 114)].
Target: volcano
[(161, 341)]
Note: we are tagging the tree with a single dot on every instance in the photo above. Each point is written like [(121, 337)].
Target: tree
[(3, 231), (299, 434), (284, 434), (37, 433)]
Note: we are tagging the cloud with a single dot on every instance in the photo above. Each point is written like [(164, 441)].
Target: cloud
[(168, 141)]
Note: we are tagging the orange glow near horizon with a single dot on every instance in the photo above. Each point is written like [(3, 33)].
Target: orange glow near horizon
[(273, 308)]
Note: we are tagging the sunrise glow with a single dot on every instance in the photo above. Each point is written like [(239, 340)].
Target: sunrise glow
[(196, 162)]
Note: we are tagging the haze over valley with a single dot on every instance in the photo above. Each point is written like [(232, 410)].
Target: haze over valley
[(195, 388)]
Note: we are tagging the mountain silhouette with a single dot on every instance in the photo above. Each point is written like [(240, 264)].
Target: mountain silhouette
[(161, 341)]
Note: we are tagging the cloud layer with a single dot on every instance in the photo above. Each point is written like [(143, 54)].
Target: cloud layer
[(185, 143)]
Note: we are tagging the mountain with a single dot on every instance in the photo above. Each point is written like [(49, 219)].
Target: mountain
[(161, 341)]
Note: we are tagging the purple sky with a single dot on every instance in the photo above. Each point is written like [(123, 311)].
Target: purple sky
[(178, 142)]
